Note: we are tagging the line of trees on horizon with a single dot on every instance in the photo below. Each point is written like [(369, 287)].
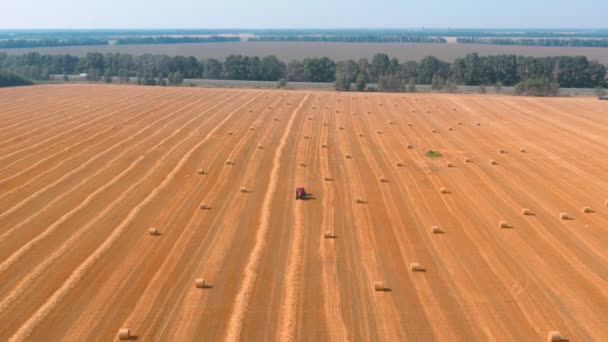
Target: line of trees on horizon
[(536, 42), (389, 74)]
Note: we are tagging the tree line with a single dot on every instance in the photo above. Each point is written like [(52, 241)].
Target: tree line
[(11, 80), (351, 39), (32, 43), (29, 43), (536, 42), (389, 74), (174, 40)]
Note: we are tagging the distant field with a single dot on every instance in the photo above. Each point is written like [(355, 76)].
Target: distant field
[(338, 51)]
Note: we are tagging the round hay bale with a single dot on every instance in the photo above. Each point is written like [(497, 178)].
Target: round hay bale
[(444, 191), (302, 164), (416, 267), (324, 146), (327, 179), (408, 146), (360, 201), (379, 131), (260, 146), (554, 336), (252, 128), (348, 156), (153, 231), (410, 125), (379, 286), (564, 216), (428, 111), (199, 283), (522, 150), (450, 165), (124, 334), (306, 137), (399, 164), (309, 118), (468, 160), (459, 123), (479, 124), (382, 179), (587, 210), (502, 151), (412, 111), (526, 212), (328, 234), (450, 129), (391, 123), (201, 171), (229, 162), (503, 224), (434, 131), (361, 135), (230, 133), (243, 189), (436, 230), (493, 162), (205, 206), (276, 119), (341, 128)]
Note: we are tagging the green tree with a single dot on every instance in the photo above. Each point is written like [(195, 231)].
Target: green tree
[(360, 82), (213, 69), (107, 77), (295, 71), (411, 85), (123, 76), (272, 69), (381, 65), (282, 82), (498, 87), (319, 69)]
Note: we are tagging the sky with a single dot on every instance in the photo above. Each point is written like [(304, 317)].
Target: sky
[(73, 14)]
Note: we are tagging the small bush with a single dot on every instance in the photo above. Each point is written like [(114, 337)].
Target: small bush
[(537, 87), (433, 154)]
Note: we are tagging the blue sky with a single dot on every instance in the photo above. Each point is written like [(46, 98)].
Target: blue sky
[(303, 14)]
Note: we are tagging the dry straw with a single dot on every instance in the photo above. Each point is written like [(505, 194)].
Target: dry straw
[(200, 283), (379, 286), (554, 336), (329, 234), (124, 334), (416, 267)]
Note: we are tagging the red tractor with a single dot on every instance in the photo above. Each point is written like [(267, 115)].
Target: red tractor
[(300, 193)]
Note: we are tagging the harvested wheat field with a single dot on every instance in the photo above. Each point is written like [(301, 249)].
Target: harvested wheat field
[(170, 213)]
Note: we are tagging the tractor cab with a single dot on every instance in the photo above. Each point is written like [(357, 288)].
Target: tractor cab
[(300, 193)]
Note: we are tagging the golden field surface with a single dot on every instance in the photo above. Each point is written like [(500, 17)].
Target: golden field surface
[(87, 170)]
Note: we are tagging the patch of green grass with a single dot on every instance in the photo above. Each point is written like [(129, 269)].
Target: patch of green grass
[(433, 154)]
